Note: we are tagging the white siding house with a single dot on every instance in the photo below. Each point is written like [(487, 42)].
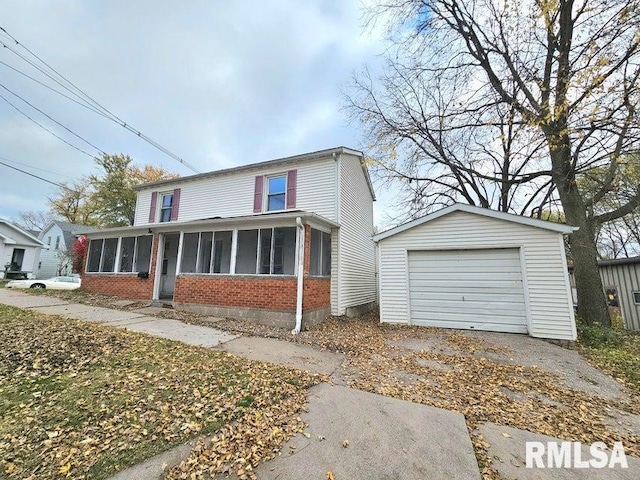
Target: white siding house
[(472, 268), (265, 241), (19, 251), (58, 258), (355, 246)]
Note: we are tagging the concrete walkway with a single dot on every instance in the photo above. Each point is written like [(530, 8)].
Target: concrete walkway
[(134, 321)]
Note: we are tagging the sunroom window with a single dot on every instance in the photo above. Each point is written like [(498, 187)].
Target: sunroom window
[(135, 253), (206, 252), (320, 263), (268, 251)]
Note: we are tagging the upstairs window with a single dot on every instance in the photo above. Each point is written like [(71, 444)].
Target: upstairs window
[(276, 193), (165, 207), (57, 243)]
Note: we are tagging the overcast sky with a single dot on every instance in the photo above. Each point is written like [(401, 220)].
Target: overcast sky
[(218, 83)]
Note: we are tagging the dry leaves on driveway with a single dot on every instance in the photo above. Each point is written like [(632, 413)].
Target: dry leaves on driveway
[(84, 401), (463, 374)]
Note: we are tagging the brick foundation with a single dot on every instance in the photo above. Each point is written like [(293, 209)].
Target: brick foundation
[(125, 285)]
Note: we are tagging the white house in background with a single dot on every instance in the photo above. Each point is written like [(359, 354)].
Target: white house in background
[(473, 268), (19, 251), (273, 241), (58, 259)]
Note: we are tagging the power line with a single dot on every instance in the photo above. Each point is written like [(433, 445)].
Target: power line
[(53, 120), (38, 177), (45, 128), (38, 168), (89, 107), (80, 94)]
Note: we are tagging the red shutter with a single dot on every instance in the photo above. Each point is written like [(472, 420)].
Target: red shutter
[(292, 181), (152, 210), (175, 204), (257, 194)]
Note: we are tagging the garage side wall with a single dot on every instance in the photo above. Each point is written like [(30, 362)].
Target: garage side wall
[(547, 280)]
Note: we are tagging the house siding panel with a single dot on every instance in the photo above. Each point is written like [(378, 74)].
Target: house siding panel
[(356, 266), (52, 260), (550, 302), (232, 194)]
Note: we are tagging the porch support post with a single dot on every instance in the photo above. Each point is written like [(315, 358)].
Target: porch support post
[(179, 259), (234, 249), (158, 266)]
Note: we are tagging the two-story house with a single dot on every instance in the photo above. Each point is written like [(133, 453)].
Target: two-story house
[(282, 241)]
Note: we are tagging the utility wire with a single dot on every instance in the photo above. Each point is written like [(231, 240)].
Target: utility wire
[(80, 93), (45, 128), (38, 168), (38, 177), (89, 107), (53, 120)]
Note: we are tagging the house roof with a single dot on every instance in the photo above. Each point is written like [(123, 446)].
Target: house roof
[(68, 230), (268, 163), (238, 220), (460, 207), (619, 261), (34, 240)]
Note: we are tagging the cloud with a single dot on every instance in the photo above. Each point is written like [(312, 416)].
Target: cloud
[(219, 83)]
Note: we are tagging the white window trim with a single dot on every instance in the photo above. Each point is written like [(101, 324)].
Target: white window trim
[(265, 196), (159, 208), (633, 295)]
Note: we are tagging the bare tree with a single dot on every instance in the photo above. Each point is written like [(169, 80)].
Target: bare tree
[(564, 72), (34, 220)]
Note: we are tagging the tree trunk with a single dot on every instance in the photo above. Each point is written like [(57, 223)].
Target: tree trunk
[(592, 305)]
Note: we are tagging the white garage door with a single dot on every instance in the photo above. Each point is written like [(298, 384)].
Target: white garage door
[(472, 289)]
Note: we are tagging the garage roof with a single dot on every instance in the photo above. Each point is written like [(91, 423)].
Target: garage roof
[(461, 207)]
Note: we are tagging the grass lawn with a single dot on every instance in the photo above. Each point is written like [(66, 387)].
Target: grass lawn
[(613, 351), (84, 401)]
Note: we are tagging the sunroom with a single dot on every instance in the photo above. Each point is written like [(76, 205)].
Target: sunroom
[(269, 267)]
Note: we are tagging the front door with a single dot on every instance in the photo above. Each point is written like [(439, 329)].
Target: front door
[(168, 265), (16, 260)]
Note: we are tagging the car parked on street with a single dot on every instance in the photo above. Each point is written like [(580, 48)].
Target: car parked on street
[(55, 283)]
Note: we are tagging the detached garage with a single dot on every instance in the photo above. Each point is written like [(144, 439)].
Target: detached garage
[(473, 268)]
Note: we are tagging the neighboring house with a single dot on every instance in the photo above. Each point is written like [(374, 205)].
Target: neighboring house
[(621, 283), (269, 241), (58, 259), (473, 268), (19, 251)]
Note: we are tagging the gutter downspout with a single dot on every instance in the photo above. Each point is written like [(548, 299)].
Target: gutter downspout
[(301, 236)]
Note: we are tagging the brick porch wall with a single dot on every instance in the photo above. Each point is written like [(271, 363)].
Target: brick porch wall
[(265, 292), (125, 285), (268, 292)]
